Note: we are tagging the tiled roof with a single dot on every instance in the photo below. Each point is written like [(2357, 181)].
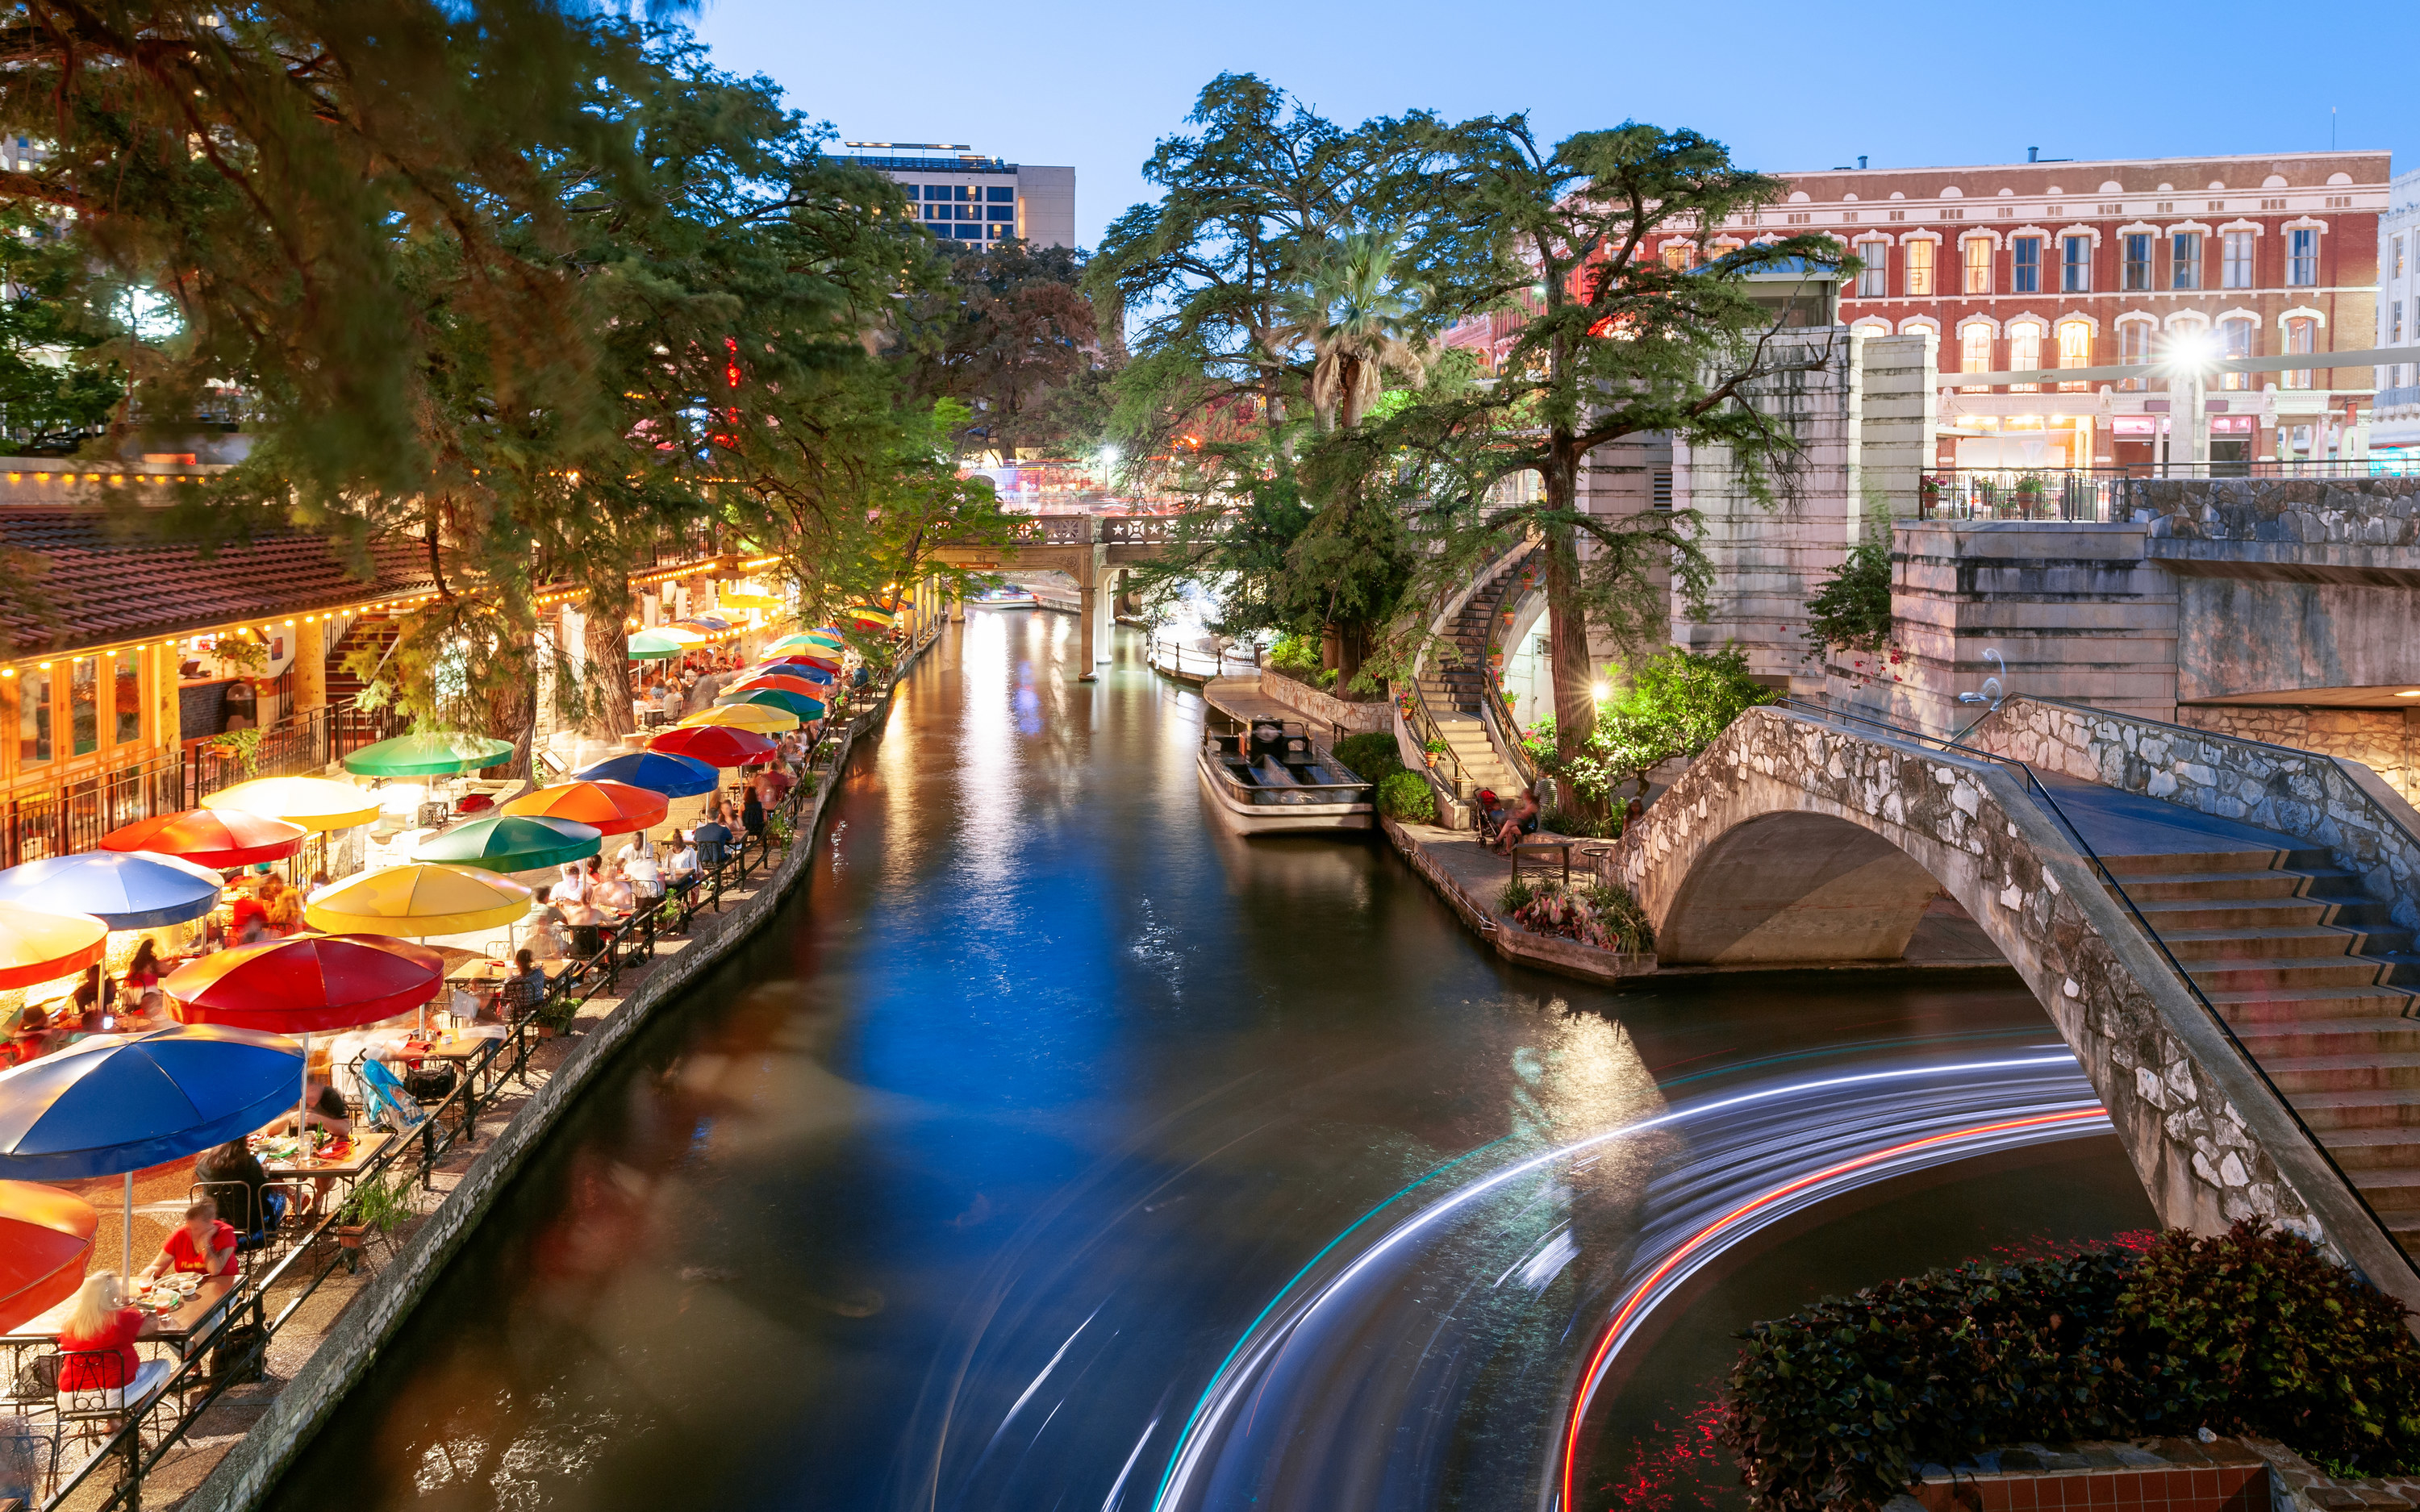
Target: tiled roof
[(102, 586)]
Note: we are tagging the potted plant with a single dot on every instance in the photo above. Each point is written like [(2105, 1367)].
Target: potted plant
[(372, 1207), (1435, 749), (238, 746)]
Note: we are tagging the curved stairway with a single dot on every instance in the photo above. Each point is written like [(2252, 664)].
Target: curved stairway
[(1451, 684)]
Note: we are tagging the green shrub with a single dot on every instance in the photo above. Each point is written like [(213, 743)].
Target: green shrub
[(1517, 894), (1838, 1406), (1623, 915), (1405, 795), (1590, 827), (1371, 757), (1600, 915), (1296, 654)]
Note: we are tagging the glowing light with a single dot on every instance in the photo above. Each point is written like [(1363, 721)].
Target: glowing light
[(1598, 691), (2409, 693)]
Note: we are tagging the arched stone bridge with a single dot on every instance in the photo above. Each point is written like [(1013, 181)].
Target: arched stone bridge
[(1093, 550), (1796, 839)]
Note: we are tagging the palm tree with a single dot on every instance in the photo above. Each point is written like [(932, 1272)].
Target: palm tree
[(1357, 322)]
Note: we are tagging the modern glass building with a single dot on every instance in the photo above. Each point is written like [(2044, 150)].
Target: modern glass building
[(965, 196)]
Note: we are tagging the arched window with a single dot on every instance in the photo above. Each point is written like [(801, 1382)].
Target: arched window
[(2301, 336), (2235, 340), (2075, 351), (2025, 350), (1975, 350)]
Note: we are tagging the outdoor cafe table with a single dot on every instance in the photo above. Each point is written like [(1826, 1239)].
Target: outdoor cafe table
[(365, 1146), (177, 1328), (493, 971)]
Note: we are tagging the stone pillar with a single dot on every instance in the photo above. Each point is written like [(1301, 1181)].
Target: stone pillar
[(168, 718), (1094, 593), (310, 666), (957, 606)]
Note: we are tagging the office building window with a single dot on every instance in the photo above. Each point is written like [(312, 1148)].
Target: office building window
[(2076, 266), (2303, 256), (2397, 258), (1974, 352), (1000, 212), (2138, 263), (2301, 336), (125, 699), (996, 195), (1919, 269), (2235, 268), (2025, 350), (1979, 266), (2134, 350), (2075, 351), (1873, 276), (2394, 326), (2234, 341), (33, 716), (2184, 260), (84, 705), (2025, 265)]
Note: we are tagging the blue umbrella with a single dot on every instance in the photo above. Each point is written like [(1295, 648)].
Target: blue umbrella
[(674, 777), (124, 889), (117, 1102)]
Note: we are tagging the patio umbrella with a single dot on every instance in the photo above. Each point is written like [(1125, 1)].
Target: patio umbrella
[(871, 616), (674, 777), (707, 621), (713, 744), (423, 899), (790, 667), (778, 682), (318, 804), (650, 645), (38, 945), (801, 705), (123, 889), (428, 755), (513, 842), (113, 1103), (803, 642), (45, 1239), (750, 599), (218, 838), (609, 808), (303, 985), (765, 718)]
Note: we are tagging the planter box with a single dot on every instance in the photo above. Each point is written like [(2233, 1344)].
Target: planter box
[(2172, 1475), (1568, 956)]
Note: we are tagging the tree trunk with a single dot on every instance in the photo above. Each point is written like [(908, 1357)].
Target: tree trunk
[(608, 669), (1567, 640), (512, 715), (1351, 645)]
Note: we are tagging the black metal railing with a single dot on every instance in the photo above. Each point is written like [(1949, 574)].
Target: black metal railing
[(2103, 494), (2040, 792)]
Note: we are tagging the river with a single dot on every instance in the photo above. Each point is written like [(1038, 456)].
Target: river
[(1052, 1149)]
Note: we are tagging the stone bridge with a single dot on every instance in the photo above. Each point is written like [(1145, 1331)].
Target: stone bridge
[(1800, 839), (1094, 550)]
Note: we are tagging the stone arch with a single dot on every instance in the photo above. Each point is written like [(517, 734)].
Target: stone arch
[(1795, 887)]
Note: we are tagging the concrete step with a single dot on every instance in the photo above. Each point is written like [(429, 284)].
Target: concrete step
[(2278, 944), (2395, 1192), (2161, 887), (2384, 1107), (2261, 913), (2288, 975), (2273, 1044), (2261, 1005), (2203, 863), (2383, 1148), (2373, 1069)]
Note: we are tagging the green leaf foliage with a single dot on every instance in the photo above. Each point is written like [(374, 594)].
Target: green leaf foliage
[(1678, 702), (1853, 609), (1373, 757), (1841, 1404), (1405, 795)]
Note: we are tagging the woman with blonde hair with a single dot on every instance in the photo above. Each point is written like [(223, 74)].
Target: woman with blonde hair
[(97, 1342)]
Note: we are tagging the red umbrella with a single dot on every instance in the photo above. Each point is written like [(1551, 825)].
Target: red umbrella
[(306, 984), (717, 744), (785, 685), (45, 1238), (216, 838)]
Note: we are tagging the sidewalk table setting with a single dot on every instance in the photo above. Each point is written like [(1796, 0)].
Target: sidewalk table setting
[(333, 1156), (174, 1308)]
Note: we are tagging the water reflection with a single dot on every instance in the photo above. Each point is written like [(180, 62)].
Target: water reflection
[(1057, 1148)]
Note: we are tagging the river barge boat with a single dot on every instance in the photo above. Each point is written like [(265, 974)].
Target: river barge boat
[(1270, 779)]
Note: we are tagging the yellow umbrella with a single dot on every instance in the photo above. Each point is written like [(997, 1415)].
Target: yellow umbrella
[(318, 804), (426, 898), (745, 598), (687, 638), (762, 717)]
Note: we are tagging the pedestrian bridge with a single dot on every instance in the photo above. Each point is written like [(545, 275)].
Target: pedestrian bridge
[(2218, 928), (1093, 550)]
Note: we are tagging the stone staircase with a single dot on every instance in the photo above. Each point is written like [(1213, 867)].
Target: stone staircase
[(2306, 967), (378, 633), (1451, 686)]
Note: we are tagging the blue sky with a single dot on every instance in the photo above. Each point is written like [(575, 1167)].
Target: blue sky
[(1786, 86)]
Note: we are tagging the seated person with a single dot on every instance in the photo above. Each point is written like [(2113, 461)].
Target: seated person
[(247, 917), (711, 839), (203, 1244), (645, 878), (99, 1339), (681, 870), (96, 997), (524, 990), (550, 933), (612, 892), (1517, 821), (281, 905), (323, 1108), (232, 1177)]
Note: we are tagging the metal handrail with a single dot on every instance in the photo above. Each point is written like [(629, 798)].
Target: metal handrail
[(2109, 879)]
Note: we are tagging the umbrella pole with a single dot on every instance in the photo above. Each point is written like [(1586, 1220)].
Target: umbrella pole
[(302, 1108), (126, 1260)]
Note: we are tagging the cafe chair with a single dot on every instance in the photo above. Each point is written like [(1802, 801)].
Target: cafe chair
[(94, 1410)]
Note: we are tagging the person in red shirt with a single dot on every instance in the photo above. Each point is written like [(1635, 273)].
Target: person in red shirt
[(247, 919), (202, 1244), (98, 1341)]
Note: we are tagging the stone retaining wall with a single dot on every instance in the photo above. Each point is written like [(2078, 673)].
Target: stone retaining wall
[(1325, 708), (2210, 1140), (2340, 805), (245, 1476)]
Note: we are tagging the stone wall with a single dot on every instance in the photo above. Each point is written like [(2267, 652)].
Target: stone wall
[(2208, 1139), (2341, 806), (1323, 708), (2380, 739)]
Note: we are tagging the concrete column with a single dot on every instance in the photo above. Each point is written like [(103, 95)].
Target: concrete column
[(310, 666), (1094, 596), (168, 718), (957, 607)]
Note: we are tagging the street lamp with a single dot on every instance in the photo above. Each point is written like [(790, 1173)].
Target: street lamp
[(2191, 355)]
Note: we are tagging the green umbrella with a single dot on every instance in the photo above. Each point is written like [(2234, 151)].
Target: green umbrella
[(649, 645), (513, 842), (798, 703), (427, 755)]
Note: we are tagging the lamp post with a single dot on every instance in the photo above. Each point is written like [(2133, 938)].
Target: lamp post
[(2189, 359)]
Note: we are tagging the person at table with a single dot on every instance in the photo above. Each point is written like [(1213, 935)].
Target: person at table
[(144, 972), (247, 916), (548, 933), (281, 906), (524, 990), (611, 893), (573, 888), (774, 783), (96, 998), (203, 1244), (645, 875), (752, 815), (711, 838), (239, 1185), (323, 1107), (680, 871), (97, 1338), (1519, 820)]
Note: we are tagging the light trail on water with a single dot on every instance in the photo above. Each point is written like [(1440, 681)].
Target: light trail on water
[(1306, 1412)]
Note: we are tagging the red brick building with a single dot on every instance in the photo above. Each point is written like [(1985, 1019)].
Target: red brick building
[(2072, 263)]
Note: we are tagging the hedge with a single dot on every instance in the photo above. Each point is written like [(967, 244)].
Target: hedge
[(1372, 757), (1841, 1406), (1405, 795)]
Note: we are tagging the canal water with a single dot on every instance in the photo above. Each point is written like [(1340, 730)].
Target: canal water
[(1054, 1148)]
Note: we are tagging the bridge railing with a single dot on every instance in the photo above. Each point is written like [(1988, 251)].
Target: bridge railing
[(1824, 714)]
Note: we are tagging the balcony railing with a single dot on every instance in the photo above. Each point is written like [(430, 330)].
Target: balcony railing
[(2102, 494)]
